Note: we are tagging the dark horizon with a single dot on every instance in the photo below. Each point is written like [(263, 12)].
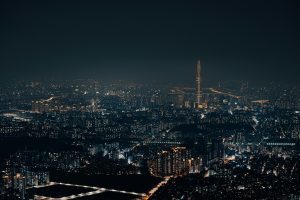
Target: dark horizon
[(145, 41)]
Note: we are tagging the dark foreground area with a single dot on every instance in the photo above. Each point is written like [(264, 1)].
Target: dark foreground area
[(57, 191), (109, 196), (130, 183), (60, 191)]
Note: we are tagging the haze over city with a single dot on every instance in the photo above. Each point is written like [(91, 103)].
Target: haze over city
[(149, 100), (145, 40)]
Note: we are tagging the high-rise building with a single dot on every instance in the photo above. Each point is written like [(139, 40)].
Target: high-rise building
[(198, 85), (175, 161)]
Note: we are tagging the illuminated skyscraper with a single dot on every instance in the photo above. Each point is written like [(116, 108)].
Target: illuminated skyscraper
[(175, 161), (198, 85)]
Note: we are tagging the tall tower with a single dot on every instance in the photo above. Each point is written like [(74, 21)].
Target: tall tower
[(198, 85)]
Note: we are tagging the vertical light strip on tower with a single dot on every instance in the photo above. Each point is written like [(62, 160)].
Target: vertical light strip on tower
[(198, 84)]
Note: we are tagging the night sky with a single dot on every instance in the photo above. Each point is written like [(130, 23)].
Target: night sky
[(149, 40)]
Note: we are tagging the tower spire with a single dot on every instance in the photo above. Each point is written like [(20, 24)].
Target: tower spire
[(198, 84)]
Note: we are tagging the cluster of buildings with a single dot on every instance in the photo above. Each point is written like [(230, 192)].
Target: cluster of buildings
[(176, 161), (132, 128), (246, 176), (189, 159), (16, 180)]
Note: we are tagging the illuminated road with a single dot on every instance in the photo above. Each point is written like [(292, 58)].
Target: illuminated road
[(165, 181), (161, 142), (262, 101), (225, 93), (98, 190), (48, 100)]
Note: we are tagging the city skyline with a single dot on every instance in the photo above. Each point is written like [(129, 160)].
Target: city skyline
[(149, 100)]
